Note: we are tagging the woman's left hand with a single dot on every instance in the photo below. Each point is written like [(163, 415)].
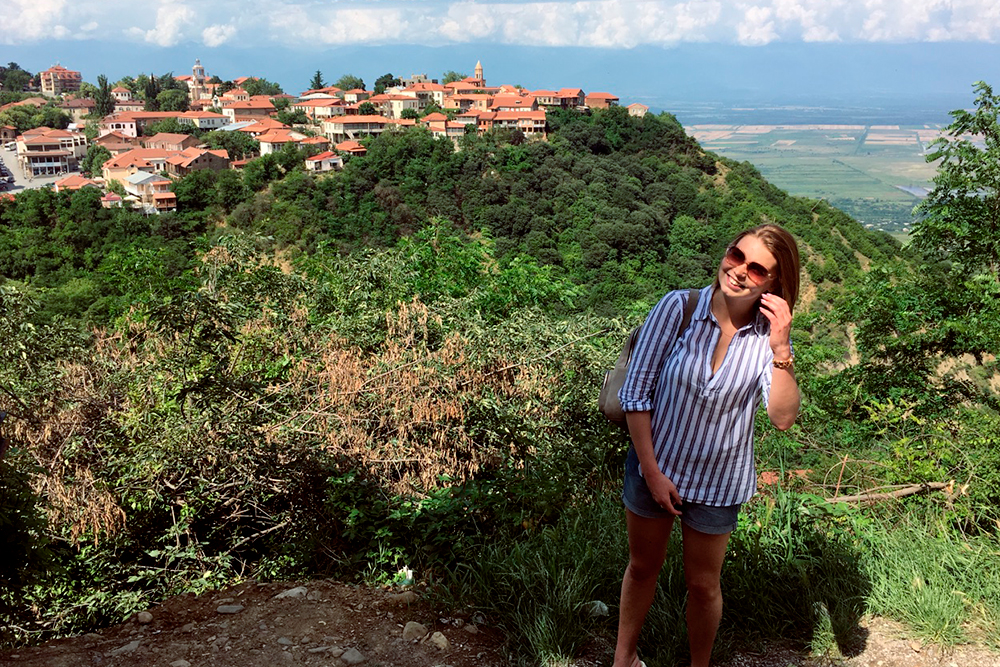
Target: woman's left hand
[(778, 313)]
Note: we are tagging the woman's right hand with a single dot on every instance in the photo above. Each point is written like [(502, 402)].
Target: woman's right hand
[(664, 492)]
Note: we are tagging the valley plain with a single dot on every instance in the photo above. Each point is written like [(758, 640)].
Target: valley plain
[(875, 173)]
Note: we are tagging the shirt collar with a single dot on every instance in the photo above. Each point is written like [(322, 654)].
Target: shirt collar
[(703, 311)]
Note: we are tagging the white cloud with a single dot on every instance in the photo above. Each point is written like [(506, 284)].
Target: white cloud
[(467, 21), (329, 25), (820, 33), (29, 20), (217, 35), (172, 18), (757, 27), (589, 23)]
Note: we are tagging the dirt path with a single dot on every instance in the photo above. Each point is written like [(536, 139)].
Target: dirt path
[(327, 623)]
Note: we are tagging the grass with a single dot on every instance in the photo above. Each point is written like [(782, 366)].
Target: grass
[(797, 569), (943, 585)]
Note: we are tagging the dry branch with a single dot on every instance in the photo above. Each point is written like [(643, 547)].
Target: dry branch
[(898, 493), (260, 533)]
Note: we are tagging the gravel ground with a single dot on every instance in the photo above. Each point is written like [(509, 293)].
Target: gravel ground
[(328, 623)]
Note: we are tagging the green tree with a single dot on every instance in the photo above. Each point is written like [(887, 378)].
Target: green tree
[(27, 117), (172, 100), (367, 109), (317, 81), (150, 91), (385, 81), (104, 102), (88, 90), (51, 116), (95, 158), (261, 171), (196, 191), (350, 82), (961, 216), (432, 107), (171, 125), (238, 144), (451, 76), (6, 97), (230, 190), (262, 87), (293, 117), (14, 78), (909, 319), (409, 113), (136, 85), (291, 156), (169, 82)]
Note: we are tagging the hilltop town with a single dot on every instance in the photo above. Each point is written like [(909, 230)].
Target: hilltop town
[(152, 135)]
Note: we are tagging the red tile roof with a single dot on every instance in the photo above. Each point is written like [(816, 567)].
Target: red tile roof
[(31, 101), (186, 157), (263, 125), (325, 155), (328, 90), (277, 137), (201, 114), (74, 182), (78, 103), (170, 137), (517, 101), (347, 120), (248, 104), (520, 115), (113, 137), (137, 157), (319, 102), (350, 146), (427, 86)]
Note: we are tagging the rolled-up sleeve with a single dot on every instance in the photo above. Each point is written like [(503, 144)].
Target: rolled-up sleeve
[(655, 341), (768, 373)]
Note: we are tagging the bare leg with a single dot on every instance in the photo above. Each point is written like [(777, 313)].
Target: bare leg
[(647, 546), (703, 556)]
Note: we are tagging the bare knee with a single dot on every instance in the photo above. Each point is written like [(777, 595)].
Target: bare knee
[(704, 590), (641, 570)]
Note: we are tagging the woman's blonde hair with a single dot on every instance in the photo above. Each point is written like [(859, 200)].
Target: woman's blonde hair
[(782, 245)]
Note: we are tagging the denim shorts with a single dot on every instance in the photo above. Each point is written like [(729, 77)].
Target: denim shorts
[(703, 518)]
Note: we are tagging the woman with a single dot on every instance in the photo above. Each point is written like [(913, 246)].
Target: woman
[(690, 407)]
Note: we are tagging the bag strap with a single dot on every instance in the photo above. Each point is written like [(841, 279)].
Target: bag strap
[(692, 302), (693, 295)]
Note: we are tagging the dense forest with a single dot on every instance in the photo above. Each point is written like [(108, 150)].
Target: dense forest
[(396, 366)]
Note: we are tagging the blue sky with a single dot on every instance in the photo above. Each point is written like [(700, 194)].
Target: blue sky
[(661, 52)]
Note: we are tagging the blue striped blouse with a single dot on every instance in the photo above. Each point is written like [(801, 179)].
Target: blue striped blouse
[(702, 423)]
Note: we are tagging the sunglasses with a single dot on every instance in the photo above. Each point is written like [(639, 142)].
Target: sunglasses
[(756, 272)]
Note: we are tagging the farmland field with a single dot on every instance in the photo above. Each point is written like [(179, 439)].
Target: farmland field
[(876, 173)]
